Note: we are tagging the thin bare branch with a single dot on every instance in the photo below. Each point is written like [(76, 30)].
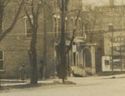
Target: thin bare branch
[(74, 30), (5, 2), (32, 10), (3, 34), (29, 17), (37, 14)]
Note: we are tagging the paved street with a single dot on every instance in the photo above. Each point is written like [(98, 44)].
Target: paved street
[(89, 86)]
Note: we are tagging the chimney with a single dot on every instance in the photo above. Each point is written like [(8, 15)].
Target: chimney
[(111, 3)]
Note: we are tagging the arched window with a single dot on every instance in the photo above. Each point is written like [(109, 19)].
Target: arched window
[(56, 24), (28, 27)]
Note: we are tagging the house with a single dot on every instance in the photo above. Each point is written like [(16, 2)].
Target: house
[(110, 24), (15, 46)]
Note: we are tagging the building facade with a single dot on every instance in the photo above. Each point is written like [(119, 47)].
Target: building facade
[(15, 46), (80, 24), (76, 20), (114, 51), (110, 24)]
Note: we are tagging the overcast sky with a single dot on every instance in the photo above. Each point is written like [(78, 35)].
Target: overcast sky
[(102, 2)]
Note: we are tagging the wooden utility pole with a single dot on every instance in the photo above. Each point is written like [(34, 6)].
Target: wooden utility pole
[(112, 52), (122, 25)]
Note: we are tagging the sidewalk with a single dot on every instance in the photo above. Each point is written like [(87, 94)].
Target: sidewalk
[(12, 82), (16, 82), (113, 76), (71, 80)]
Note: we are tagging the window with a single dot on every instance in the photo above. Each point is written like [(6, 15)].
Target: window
[(1, 60), (107, 62), (28, 28), (57, 22)]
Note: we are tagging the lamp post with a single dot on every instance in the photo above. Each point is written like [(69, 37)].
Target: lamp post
[(121, 51), (112, 36)]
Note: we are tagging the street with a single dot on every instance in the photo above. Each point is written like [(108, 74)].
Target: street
[(88, 86)]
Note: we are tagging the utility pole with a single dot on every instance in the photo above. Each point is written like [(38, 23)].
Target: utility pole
[(122, 24), (112, 50), (112, 36), (120, 51)]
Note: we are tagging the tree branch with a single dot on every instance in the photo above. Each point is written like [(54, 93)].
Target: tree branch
[(74, 30), (3, 34), (29, 18)]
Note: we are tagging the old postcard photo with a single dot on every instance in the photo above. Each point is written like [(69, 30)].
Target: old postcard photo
[(62, 47)]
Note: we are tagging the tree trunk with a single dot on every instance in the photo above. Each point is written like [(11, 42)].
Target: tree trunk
[(63, 63), (45, 45), (33, 58), (1, 16)]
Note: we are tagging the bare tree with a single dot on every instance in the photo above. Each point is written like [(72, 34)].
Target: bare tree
[(62, 67), (32, 14), (73, 31), (3, 5), (62, 50)]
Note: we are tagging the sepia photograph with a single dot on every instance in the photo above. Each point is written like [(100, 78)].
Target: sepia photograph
[(62, 47)]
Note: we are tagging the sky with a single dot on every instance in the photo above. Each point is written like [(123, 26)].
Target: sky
[(102, 2)]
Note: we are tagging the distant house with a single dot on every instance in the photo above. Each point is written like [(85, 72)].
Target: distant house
[(114, 48), (111, 20)]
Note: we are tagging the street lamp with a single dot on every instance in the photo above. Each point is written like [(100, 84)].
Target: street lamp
[(111, 29)]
